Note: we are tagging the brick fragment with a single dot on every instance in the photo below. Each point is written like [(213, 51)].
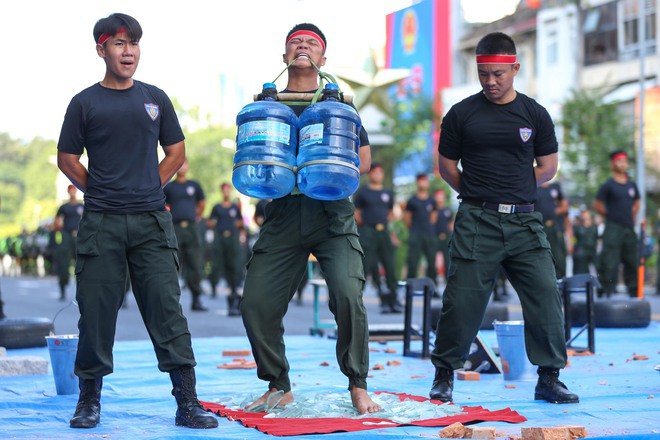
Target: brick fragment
[(552, 433), (640, 357), (236, 353), (575, 431), (455, 430), (378, 367), (479, 432), (393, 363), (468, 375)]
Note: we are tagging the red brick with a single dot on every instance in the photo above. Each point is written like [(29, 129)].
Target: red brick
[(455, 430), (468, 375), (554, 433), (479, 432)]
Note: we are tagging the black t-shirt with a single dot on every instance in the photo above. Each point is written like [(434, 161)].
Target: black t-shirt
[(442, 223), (619, 199), (182, 197), (120, 130), (421, 210), (71, 214), (374, 205), (496, 145), (260, 209), (546, 200), (226, 217)]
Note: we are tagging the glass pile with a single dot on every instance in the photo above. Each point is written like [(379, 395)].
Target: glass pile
[(324, 405)]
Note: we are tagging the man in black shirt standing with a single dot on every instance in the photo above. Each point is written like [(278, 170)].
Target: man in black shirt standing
[(226, 219), (66, 228), (420, 217), (186, 201), (120, 122), (443, 226), (553, 206), (497, 135), (373, 212), (617, 201)]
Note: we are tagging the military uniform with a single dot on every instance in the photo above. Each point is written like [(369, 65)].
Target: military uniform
[(547, 197), (619, 237), (443, 234), (584, 248), (421, 238), (182, 198), (296, 226), (496, 226), (374, 206), (227, 252), (125, 227), (63, 243)]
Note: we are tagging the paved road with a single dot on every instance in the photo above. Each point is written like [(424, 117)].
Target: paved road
[(27, 297)]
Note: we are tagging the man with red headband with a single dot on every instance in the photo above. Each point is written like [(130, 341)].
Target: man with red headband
[(497, 135), (120, 122), (617, 201), (294, 227)]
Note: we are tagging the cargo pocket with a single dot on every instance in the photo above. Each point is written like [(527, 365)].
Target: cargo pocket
[(465, 238), (87, 238), (534, 222), (355, 258), (167, 235)]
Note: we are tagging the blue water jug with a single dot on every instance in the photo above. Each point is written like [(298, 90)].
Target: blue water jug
[(266, 144), (328, 159)]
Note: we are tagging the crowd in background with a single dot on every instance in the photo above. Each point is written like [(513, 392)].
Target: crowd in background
[(580, 231)]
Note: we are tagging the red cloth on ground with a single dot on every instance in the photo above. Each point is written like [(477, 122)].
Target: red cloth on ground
[(300, 426)]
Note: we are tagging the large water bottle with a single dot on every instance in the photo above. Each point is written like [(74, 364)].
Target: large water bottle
[(266, 144), (328, 159)]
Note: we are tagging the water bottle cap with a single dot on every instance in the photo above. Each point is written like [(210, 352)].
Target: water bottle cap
[(269, 85), (331, 86)]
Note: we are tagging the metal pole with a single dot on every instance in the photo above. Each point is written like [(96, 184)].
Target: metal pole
[(641, 163)]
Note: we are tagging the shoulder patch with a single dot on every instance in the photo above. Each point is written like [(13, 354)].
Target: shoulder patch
[(152, 110), (525, 134)]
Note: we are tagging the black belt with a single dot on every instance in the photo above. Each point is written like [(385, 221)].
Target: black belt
[(183, 223), (503, 208), (379, 226)]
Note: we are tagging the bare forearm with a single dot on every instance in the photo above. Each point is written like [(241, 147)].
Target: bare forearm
[(174, 157), (70, 165)]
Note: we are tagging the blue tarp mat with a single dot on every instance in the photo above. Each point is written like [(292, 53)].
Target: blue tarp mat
[(619, 397)]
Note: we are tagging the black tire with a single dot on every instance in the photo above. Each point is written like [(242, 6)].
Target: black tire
[(494, 312), (613, 313), (24, 332)]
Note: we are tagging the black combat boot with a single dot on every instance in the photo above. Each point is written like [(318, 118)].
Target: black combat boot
[(190, 413), (443, 385), (551, 389), (197, 305), (88, 410), (234, 305)]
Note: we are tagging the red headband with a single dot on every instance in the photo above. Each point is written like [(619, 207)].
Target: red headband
[(104, 37), (496, 59), (309, 34), (619, 156)]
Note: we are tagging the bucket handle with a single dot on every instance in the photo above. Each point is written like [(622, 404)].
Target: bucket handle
[(72, 302)]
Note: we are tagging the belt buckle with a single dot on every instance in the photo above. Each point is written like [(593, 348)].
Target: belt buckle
[(505, 209), (226, 233), (380, 227), (184, 224)]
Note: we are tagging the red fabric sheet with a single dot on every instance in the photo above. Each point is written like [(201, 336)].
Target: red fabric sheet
[(300, 426)]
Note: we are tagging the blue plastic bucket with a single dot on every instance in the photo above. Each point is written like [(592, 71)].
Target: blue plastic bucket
[(513, 356), (62, 351)]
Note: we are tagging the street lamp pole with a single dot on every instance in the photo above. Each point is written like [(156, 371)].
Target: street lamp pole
[(641, 177)]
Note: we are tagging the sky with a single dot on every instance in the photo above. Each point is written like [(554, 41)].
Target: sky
[(49, 52)]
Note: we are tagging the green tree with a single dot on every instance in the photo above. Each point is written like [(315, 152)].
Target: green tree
[(592, 129), (210, 152)]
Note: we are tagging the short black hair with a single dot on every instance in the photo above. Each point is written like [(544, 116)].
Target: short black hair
[(113, 22), (308, 27), (496, 43), (421, 176), (375, 165)]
